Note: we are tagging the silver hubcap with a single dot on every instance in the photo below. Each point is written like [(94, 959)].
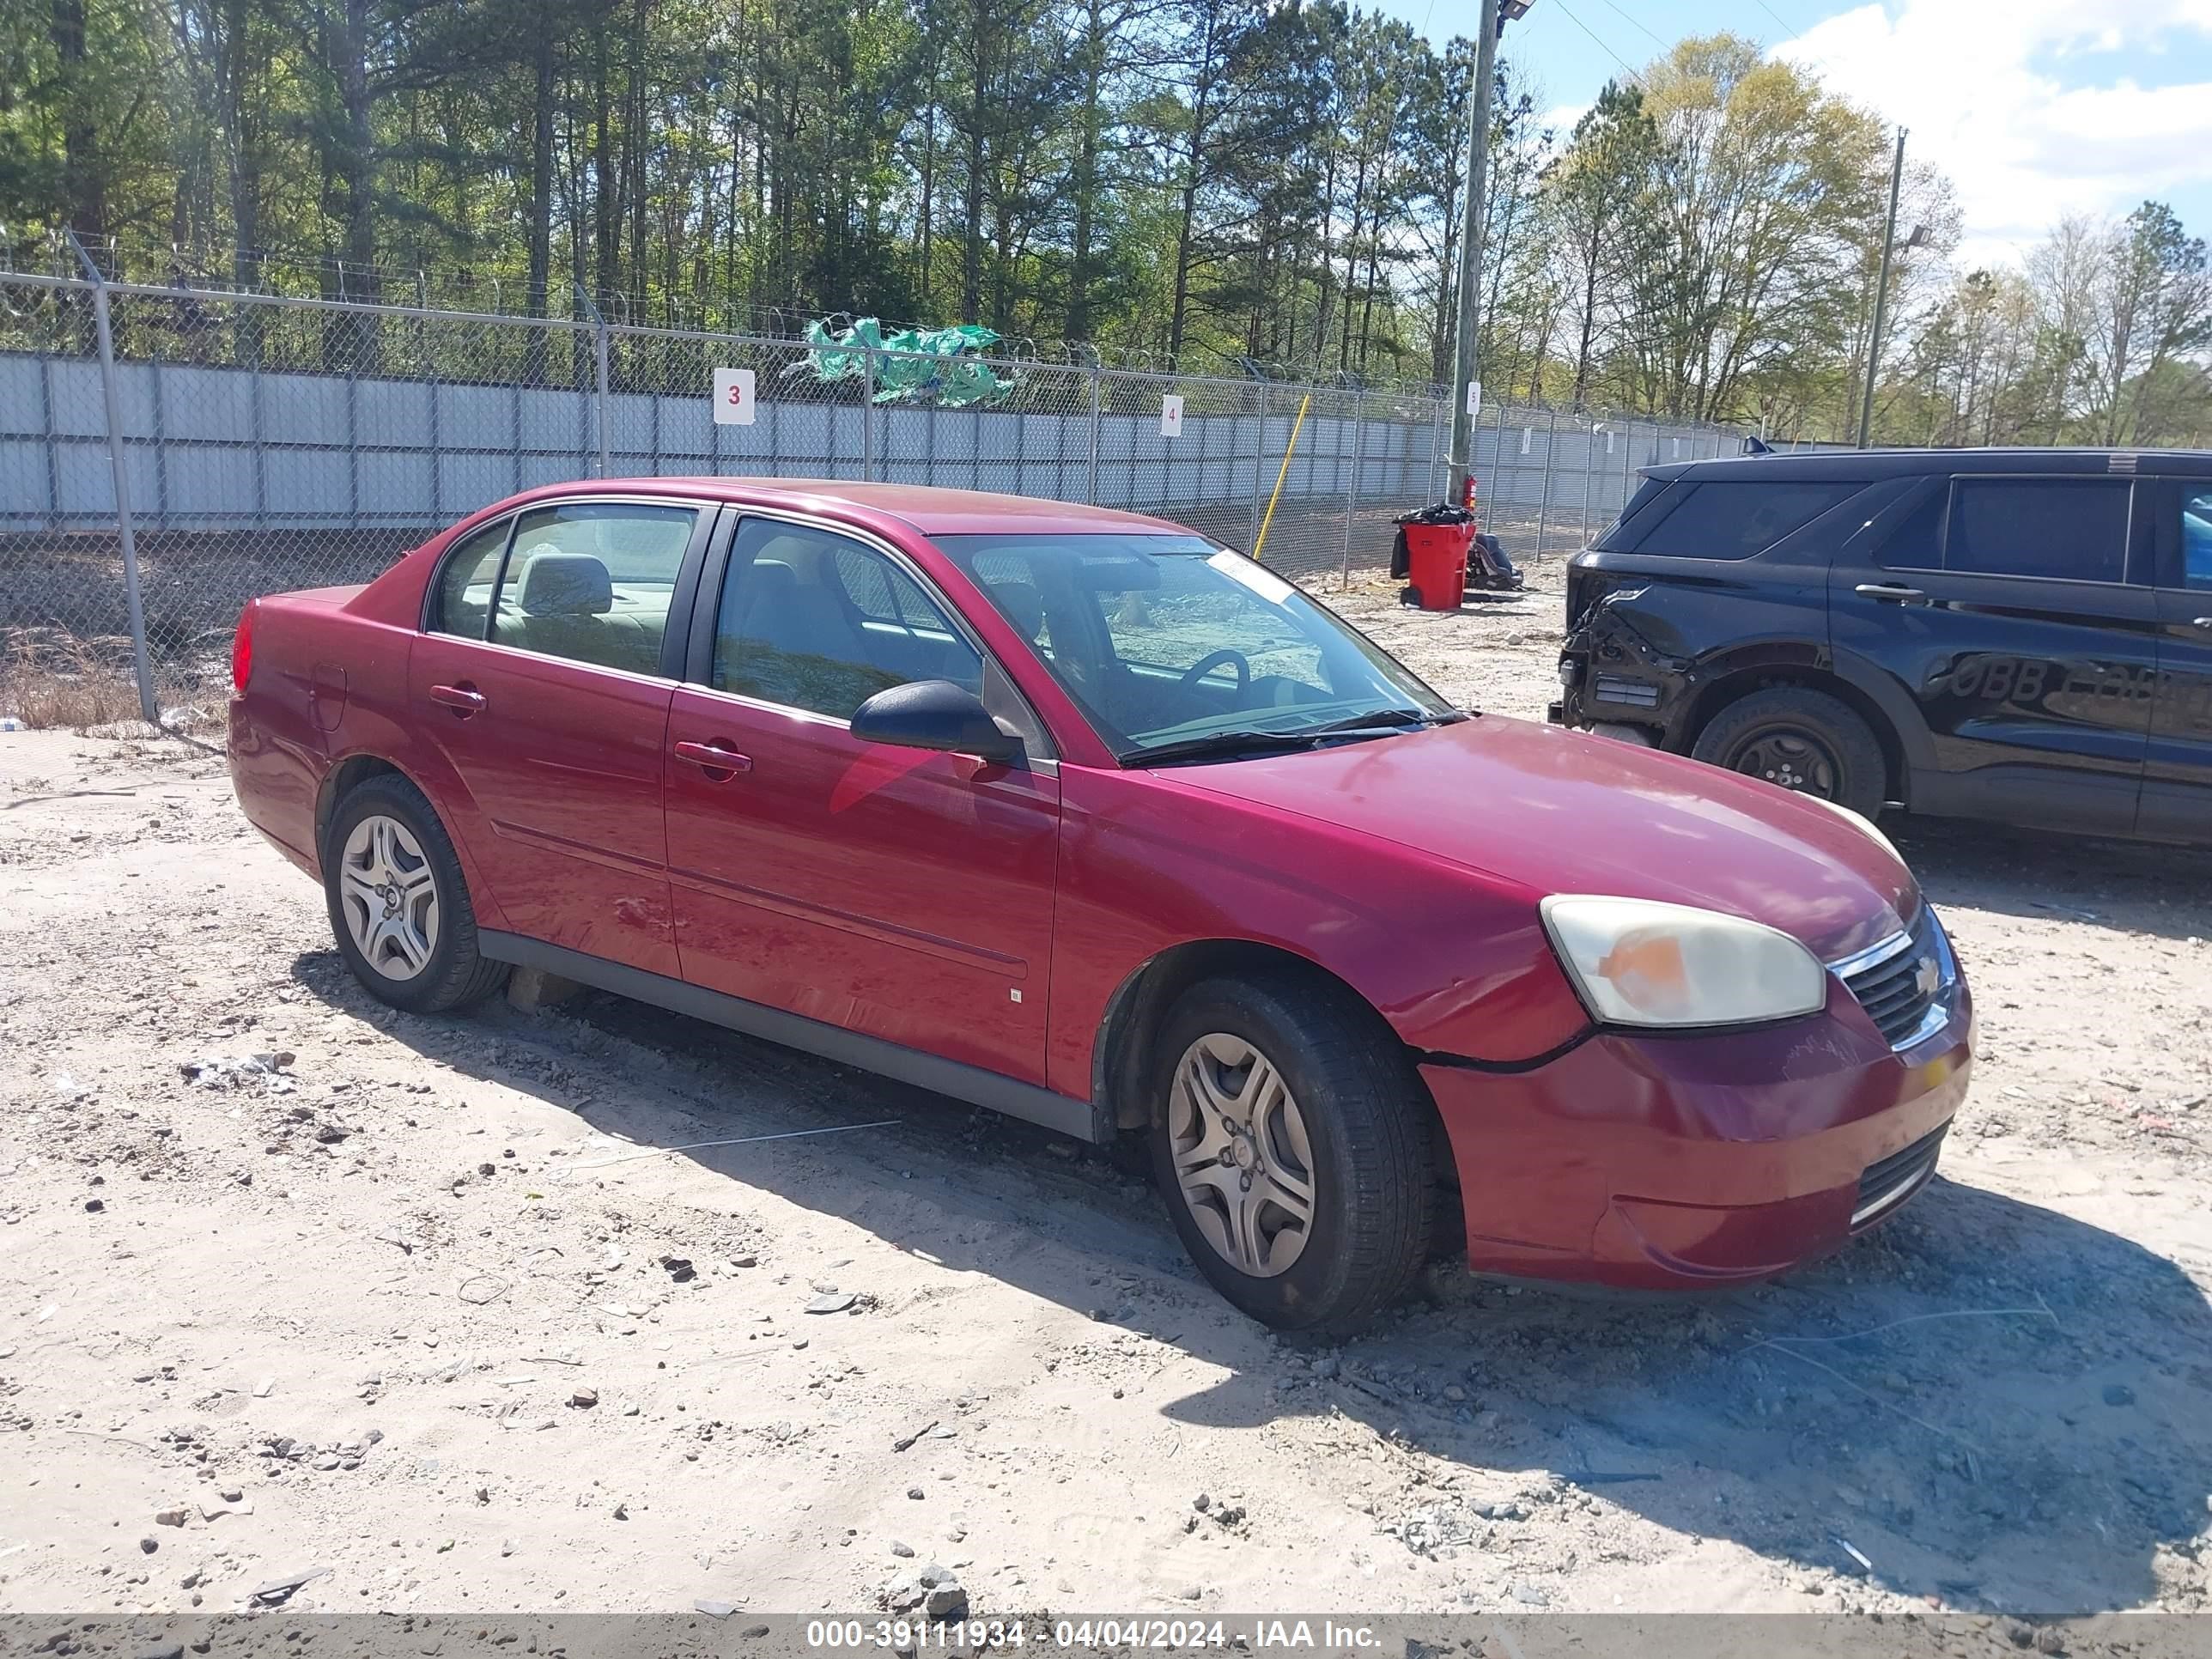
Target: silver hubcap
[(389, 897), (1242, 1159)]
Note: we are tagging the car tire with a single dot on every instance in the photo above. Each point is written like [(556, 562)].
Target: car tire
[(1356, 1136), (1800, 739), (398, 903)]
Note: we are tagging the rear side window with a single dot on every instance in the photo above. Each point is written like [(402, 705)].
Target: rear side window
[(465, 584), (1736, 519), (590, 581), (1609, 539), (2076, 529), (2197, 538)]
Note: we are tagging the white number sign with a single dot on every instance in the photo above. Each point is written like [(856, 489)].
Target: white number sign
[(733, 396), (1170, 417)]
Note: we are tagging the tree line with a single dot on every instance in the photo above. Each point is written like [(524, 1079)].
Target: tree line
[(1217, 183)]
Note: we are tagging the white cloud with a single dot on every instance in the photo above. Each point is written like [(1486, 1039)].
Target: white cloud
[(2034, 108)]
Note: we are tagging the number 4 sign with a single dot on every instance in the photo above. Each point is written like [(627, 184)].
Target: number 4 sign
[(1170, 417), (733, 396)]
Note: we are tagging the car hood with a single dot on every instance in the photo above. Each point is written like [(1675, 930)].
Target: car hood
[(1561, 812)]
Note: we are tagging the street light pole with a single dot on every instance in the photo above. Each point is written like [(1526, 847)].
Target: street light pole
[(1487, 22), (1881, 295)]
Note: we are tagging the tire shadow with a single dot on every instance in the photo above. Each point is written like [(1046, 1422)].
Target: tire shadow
[(1986, 1402)]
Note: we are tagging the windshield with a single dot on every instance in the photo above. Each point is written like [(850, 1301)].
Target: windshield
[(1166, 641)]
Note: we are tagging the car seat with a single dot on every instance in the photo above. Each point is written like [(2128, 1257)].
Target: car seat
[(563, 606)]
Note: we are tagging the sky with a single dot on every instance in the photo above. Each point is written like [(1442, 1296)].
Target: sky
[(2034, 108)]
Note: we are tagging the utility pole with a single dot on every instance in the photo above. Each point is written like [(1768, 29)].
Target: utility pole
[(1881, 294), (1489, 19)]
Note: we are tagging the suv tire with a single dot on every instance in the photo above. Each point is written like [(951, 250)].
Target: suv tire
[(398, 903), (1800, 739), (1317, 1099)]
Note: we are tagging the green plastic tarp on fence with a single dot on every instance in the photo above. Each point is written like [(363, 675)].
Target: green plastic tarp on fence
[(944, 366)]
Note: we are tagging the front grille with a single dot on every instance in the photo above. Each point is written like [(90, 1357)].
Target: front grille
[(1903, 985), (1889, 1182)]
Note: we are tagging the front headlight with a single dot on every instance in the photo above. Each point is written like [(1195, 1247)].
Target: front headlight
[(1866, 827), (1641, 963)]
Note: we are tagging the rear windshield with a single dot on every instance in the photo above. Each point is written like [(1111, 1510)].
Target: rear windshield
[(1736, 519)]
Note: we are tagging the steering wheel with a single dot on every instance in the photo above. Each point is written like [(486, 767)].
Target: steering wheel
[(1213, 659)]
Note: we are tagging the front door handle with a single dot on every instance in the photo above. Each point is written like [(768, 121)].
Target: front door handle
[(464, 699), (2205, 622), (714, 759), (1892, 592)]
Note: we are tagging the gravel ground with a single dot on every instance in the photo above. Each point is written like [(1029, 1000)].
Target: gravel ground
[(462, 1311)]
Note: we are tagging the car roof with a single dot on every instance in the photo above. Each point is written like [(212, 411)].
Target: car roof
[(928, 508), (1871, 463)]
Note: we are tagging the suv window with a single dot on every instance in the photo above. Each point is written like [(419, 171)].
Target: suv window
[(1607, 540), (813, 620), (2075, 529), (464, 585), (590, 581), (1916, 544), (2197, 538), (1735, 518)]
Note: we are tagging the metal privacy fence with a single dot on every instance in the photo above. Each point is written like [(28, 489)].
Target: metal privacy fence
[(167, 452)]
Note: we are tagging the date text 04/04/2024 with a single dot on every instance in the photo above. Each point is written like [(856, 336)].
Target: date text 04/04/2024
[(1259, 1636)]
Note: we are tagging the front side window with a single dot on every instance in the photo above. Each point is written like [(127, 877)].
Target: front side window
[(591, 582), (2197, 538), (2073, 530), (1735, 518), (813, 620), (1167, 641), (466, 580)]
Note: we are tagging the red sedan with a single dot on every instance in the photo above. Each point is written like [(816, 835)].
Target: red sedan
[(1082, 816)]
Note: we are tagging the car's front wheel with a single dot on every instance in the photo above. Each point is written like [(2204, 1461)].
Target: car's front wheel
[(1290, 1142), (399, 905)]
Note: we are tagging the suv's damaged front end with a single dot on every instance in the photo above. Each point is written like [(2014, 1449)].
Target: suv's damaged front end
[(1616, 674)]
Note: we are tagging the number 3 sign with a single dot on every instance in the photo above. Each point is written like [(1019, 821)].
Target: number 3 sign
[(733, 396)]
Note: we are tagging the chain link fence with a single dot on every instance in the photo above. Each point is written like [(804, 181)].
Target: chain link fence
[(167, 454)]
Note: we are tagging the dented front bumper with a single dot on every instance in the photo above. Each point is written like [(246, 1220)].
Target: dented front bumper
[(1614, 672)]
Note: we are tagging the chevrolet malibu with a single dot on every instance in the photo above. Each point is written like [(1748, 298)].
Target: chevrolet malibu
[(1083, 817)]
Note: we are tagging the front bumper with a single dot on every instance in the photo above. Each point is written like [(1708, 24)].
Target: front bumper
[(1675, 1163)]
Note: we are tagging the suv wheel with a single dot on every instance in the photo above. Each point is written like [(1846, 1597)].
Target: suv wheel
[(1289, 1141), (1799, 739), (400, 908)]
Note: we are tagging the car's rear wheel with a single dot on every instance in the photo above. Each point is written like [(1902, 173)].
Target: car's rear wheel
[(1290, 1142), (1800, 739), (399, 905)]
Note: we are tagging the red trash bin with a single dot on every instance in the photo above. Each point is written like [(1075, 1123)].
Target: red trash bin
[(1436, 564)]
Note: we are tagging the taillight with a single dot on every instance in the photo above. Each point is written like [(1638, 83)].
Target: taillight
[(241, 649)]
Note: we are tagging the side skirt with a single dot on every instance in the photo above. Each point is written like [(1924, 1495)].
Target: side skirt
[(1025, 1100)]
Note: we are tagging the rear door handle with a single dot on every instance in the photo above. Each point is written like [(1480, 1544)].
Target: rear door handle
[(1892, 592), (2205, 622), (713, 757), (464, 699)]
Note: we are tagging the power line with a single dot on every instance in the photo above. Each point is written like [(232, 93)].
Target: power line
[(1601, 46), (1778, 17), (1638, 23)]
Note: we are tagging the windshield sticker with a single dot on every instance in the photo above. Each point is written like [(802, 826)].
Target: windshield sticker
[(1261, 581)]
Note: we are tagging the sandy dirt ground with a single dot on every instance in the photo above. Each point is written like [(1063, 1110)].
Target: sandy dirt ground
[(462, 1311)]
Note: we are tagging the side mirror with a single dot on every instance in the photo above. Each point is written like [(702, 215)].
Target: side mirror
[(934, 715)]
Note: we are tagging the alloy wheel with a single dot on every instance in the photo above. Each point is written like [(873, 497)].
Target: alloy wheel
[(1242, 1160), (389, 896)]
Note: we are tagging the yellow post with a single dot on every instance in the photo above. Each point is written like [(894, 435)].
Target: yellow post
[(1282, 472)]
